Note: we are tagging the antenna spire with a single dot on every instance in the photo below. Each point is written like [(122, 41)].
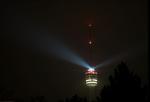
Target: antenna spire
[(91, 43)]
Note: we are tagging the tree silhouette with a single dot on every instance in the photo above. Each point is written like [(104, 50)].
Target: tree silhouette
[(124, 87), (38, 99), (74, 98), (6, 95)]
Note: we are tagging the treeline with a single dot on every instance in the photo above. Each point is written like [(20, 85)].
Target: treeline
[(124, 87)]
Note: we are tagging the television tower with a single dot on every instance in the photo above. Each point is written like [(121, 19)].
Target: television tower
[(91, 74)]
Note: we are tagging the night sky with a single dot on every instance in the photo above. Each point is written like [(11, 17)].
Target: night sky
[(31, 30)]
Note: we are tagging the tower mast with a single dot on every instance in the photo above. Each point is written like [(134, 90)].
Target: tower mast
[(91, 44)]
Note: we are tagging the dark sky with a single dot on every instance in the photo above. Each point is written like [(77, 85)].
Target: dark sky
[(120, 27)]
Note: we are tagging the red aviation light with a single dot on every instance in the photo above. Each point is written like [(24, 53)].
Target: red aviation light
[(89, 25)]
